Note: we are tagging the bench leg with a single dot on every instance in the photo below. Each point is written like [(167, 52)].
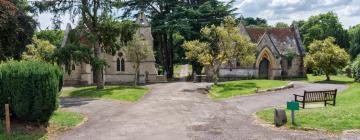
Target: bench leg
[(303, 105), (325, 103), (334, 102)]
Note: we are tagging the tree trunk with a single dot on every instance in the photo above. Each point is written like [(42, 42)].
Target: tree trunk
[(215, 75), (197, 67), (98, 71), (167, 55), (136, 76), (327, 77), (171, 55)]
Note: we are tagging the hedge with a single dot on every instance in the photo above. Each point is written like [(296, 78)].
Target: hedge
[(356, 69), (31, 88)]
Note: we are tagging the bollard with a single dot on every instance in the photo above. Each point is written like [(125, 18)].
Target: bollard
[(7, 119)]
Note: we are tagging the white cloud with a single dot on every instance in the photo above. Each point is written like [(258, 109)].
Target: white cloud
[(289, 10)]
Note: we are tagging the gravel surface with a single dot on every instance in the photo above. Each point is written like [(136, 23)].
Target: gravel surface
[(180, 111)]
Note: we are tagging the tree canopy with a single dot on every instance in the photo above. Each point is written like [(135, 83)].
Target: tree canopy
[(39, 50), (97, 26), (55, 37), (250, 21), (322, 26), (281, 25), (16, 29), (326, 56), (220, 44), (354, 33), (172, 18)]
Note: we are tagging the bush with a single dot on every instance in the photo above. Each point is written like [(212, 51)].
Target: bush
[(356, 69), (31, 88)]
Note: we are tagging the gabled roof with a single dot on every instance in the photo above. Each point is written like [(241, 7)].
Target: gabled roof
[(282, 38)]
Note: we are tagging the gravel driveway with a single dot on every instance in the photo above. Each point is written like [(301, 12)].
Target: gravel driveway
[(180, 111)]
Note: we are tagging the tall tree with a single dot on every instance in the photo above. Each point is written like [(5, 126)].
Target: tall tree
[(16, 28), (354, 33), (326, 56), (98, 26), (159, 11), (204, 13), (221, 44), (322, 26), (185, 17)]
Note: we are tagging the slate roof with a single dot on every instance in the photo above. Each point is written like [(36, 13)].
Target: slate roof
[(284, 39)]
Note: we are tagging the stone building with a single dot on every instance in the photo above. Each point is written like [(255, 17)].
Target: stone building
[(120, 70), (279, 54)]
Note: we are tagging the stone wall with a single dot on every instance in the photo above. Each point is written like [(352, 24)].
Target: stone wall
[(238, 73)]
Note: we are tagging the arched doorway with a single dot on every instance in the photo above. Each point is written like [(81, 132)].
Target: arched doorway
[(264, 69)]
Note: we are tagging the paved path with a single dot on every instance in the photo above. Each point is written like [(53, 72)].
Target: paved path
[(179, 111)]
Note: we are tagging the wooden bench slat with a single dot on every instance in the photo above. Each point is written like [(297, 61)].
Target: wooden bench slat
[(317, 96)]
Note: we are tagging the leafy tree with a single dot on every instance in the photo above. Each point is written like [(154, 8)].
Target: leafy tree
[(162, 26), (325, 55), (323, 26), (16, 29), (299, 23), (136, 51), (39, 50), (205, 13), (97, 25), (221, 43), (250, 21), (354, 33), (55, 37), (184, 17), (281, 25)]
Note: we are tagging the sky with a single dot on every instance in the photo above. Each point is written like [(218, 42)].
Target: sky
[(275, 11)]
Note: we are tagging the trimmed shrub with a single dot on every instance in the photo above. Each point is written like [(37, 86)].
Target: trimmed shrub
[(31, 88)]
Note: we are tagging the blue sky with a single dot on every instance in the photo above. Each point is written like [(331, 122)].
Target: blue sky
[(276, 10)]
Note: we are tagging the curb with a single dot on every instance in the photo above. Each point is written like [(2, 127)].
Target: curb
[(288, 86)]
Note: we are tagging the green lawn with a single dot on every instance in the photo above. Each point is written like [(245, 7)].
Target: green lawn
[(334, 79), (242, 87), (124, 93), (60, 121), (344, 116)]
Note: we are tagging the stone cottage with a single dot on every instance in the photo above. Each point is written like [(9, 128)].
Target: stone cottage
[(279, 54), (120, 70)]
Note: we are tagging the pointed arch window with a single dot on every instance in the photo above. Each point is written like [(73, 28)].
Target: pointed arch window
[(118, 64), (122, 64)]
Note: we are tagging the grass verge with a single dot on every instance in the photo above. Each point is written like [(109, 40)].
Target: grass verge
[(242, 87), (59, 122), (334, 79), (123, 93), (344, 116)]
